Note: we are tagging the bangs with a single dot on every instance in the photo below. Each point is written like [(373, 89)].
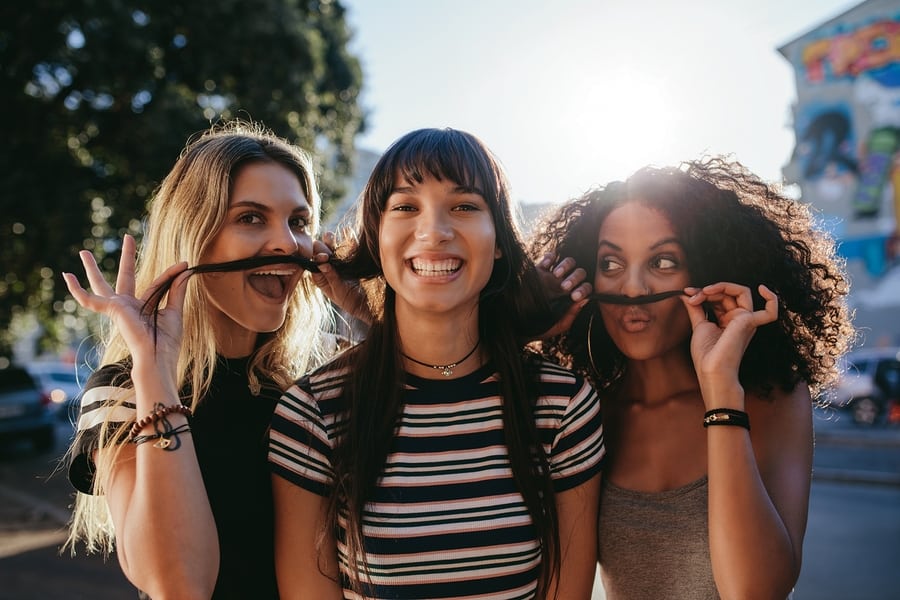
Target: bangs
[(443, 155)]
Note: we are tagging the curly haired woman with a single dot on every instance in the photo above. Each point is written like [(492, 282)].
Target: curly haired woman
[(688, 349)]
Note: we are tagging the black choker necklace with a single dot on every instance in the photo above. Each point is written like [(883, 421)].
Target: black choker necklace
[(446, 370)]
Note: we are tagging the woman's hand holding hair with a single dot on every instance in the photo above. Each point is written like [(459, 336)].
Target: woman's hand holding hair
[(348, 295), (717, 348), (151, 339), (565, 282)]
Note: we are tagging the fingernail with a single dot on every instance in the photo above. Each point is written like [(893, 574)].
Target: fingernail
[(566, 285), (577, 295)]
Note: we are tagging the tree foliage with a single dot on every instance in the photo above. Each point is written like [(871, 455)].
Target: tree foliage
[(99, 97)]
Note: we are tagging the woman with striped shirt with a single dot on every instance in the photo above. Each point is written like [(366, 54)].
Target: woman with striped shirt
[(438, 458)]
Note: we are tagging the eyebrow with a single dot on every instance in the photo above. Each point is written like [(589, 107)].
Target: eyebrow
[(305, 209), (662, 242), (460, 189)]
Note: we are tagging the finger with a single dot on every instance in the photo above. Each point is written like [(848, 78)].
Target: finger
[(769, 313), (125, 278), (564, 266), (730, 295), (322, 247), (329, 239), (573, 279), (98, 283), (80, 294), (164, 277), (581, 292), (178, 291), (694, 306), (545, 262), (329, 281)]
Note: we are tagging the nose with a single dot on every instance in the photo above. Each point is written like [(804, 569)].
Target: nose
[(284, 240), (635, 283), (433, 227)]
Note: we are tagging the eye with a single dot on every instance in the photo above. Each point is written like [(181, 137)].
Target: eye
[(250, 218), (299, 223), (665, 262), (466, 207), (608, 264)]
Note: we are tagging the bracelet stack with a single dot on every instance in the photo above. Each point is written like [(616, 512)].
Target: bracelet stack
[(164, 437), (156, 415), (726, 416)]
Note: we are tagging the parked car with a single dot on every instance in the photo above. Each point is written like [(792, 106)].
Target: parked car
[(25, 411), (62, 382), (869, 386)]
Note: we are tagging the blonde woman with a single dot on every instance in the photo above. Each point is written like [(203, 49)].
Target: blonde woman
[(170, 453)]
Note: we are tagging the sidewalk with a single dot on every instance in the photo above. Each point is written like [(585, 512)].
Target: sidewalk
[(846, 452)]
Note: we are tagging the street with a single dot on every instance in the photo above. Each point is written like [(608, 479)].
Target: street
[(850, 551)]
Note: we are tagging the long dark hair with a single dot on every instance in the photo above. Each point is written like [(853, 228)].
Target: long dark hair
[(733, 227), (374, 389)]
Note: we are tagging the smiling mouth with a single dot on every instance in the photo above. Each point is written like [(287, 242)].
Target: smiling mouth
[(272, 283), (435, 268)]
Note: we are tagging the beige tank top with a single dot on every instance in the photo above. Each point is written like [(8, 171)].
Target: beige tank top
[(656, 545)]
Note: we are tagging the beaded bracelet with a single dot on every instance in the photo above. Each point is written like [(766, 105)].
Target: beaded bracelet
[(726, 416), (156, 415), (164, 441)]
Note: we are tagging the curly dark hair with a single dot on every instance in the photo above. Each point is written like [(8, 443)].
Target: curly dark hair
[(733, 227)]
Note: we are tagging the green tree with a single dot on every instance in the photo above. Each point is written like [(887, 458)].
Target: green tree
[(99, 96)]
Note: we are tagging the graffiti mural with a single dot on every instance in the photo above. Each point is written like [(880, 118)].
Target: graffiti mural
[(847, 125)]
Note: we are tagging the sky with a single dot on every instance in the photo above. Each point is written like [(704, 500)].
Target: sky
[(571, 94)]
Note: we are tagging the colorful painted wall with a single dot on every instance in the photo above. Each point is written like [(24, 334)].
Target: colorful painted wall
[(847, 125)]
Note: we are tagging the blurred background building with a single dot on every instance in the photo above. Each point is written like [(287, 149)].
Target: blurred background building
[(847, 154)]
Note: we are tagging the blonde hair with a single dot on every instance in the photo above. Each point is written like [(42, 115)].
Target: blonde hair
[(185, 214)]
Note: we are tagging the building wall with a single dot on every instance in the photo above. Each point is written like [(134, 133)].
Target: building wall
[(847, 125)]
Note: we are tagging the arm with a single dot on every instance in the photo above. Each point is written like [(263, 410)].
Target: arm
[(166, 537), (759, 481), (577, 512), (304, 568), (759, 497)]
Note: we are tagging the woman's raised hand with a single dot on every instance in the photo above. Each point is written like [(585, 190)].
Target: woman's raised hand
[(564, 282), (717, 347), (346, 294), (150, 337)]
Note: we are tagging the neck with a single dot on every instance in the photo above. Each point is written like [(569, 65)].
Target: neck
[(658, 379), (447, 369), (431, 347)]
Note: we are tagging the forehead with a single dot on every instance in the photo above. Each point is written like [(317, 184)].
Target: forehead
[(634, 221), (268, 183)]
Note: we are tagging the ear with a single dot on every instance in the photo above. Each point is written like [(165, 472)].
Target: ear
[(497, 252)]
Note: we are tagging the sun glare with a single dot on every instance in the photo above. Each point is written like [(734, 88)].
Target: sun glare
[(631, 113)]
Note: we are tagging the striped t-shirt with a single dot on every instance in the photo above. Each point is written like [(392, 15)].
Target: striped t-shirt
[(446, 520)]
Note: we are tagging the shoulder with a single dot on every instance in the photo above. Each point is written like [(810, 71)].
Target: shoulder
[(317, 394), (566, 394), (112, 375), (556, 379), (108, 386), (331, 376)]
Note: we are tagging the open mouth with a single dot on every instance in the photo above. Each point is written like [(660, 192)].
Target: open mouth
[(272, 283), (435, 268)]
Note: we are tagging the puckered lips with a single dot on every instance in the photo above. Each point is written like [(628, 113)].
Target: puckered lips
[(635, 320), (434, 267), (274, 282)]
